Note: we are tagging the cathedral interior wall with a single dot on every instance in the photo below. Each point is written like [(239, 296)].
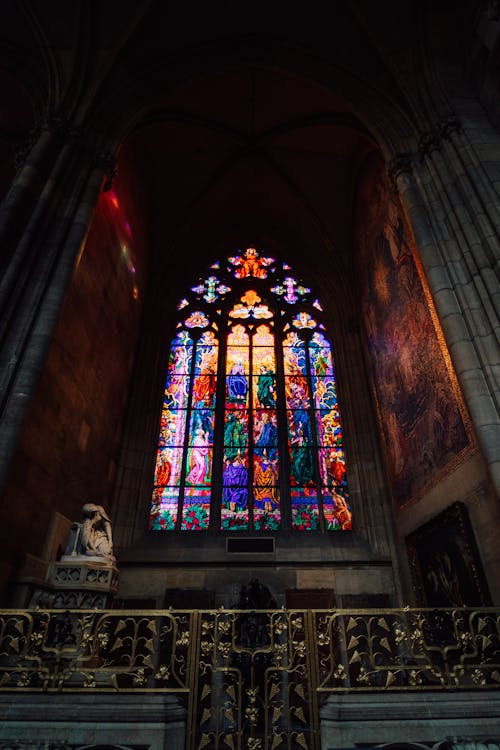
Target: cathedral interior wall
[(69, 448)]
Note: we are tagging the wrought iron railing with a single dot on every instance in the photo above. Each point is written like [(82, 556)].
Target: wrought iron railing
[(250, 679)]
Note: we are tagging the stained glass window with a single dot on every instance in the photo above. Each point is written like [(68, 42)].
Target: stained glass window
[(250, 430)]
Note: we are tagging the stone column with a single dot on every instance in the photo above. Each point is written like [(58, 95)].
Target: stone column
[(455, 242), (41, 162), (41, 269)]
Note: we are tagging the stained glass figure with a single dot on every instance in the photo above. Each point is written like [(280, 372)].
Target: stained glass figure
[(266, 499), (237, 367), (336, 510), (270, 433), (250, 264)]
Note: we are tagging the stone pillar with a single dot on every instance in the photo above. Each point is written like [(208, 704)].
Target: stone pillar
[(40, 271), (41, 163), (455, 219)]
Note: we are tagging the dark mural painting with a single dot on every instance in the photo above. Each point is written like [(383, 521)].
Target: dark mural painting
[(445, 564), (420, 407)]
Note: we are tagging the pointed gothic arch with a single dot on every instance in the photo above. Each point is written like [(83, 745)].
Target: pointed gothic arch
[(250, 433)]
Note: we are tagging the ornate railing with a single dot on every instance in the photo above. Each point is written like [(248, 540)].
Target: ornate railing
[(250, 679)]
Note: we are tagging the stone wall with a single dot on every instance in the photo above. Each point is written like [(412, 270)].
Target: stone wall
[(68, 450)]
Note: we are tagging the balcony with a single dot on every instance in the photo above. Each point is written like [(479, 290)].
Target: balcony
[(259, 680)]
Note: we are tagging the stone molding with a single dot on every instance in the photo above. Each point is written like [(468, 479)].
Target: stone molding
[(428, 142)]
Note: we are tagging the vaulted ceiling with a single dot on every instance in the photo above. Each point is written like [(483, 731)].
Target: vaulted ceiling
[(243, 123)]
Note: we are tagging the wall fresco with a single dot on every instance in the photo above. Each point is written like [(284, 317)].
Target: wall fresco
[(421, 412)]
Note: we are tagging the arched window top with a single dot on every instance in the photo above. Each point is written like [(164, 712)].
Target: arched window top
[(250, 433)]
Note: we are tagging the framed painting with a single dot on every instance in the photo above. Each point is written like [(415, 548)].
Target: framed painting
[(445, 563)]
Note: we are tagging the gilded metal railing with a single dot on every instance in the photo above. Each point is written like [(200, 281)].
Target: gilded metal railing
[(250, 679)]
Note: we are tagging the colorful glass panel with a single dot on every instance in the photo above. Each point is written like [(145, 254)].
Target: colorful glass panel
[(206, 353), (172, 427), (294, 355), (196, 509), (169, 465), (264, 369), (332, 466), (237, 368), (266, 505), (290, 290), (199, 459), (250, 306), (250, 264), (205, 369), (302, 458), (266, 514), (197, 319), (258, 382), (304, 320), (336, 509), (305, 513), (321, 355), (179, 361), (164, 509), (211, 289), (234, 511)]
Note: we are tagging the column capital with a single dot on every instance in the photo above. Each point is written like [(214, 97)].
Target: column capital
[(429, 141), (55, 123), (106, 160), (401, 164)]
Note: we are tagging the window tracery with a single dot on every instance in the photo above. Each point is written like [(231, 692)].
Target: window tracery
[(250, 431)]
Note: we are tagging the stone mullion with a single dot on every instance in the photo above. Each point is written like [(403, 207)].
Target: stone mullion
[(467, 285), (426, 227), (35, 319)]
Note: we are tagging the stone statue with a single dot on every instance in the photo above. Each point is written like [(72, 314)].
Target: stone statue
[(96, 537), (92, 537)]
